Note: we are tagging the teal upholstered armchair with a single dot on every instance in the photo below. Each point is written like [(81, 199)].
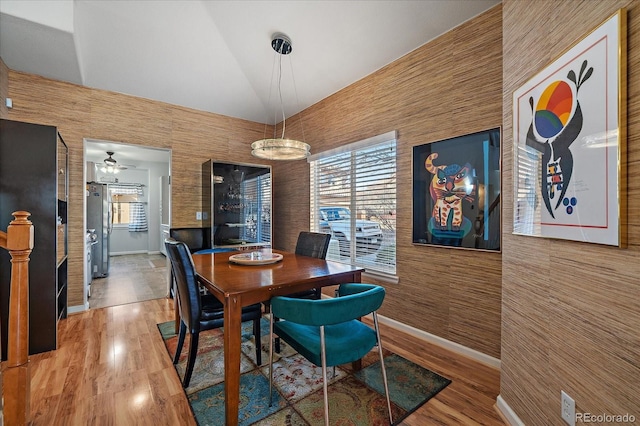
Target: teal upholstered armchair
[(328, 332)]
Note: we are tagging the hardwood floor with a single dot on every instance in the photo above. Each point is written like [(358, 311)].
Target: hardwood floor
[(112, 368), (468, 400), (132, 278)]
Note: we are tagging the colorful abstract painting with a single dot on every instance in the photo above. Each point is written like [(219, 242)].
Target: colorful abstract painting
[(568, 138), (456, 192)]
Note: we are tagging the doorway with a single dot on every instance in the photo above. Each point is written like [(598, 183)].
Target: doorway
[(125, 261)]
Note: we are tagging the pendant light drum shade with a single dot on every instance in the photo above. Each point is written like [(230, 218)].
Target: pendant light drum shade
[(280, 149)]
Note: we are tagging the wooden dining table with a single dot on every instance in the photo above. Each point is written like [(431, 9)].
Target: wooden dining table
[(237, 285)]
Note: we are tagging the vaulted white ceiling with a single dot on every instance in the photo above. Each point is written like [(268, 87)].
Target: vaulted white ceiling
[(216, 55)]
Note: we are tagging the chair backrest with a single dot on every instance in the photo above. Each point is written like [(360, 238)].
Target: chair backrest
[(355, 301), (195, 238), (313, 244), (184, 273)]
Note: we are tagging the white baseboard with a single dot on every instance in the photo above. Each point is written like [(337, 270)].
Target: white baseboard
[(437, 340), (122, 253), (423, 335), (77, 308), (509, 415)]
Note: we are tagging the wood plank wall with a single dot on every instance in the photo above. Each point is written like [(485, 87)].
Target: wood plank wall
[(448, 87), (80, 112), (570, 311)]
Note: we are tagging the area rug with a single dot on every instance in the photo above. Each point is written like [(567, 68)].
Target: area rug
[(355, 397)]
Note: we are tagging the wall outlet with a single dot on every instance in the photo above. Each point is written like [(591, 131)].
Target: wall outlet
[(568, 407), (198, 215), (205, 216)]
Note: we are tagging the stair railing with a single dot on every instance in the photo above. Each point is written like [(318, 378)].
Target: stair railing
[(16, 383)]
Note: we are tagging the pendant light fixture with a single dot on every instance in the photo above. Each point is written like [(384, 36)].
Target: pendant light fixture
[(281, 148)]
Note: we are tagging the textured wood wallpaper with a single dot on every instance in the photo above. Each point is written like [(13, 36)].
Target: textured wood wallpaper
[(570, 311), (448, 87), (80, 112)]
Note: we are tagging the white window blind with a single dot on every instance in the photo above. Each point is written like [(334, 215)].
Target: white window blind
[(256, 209), (353, 197)]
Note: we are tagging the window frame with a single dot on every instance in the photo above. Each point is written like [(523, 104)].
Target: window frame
[(357, 205)]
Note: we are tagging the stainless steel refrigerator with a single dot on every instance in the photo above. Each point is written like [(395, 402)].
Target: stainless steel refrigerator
[(99, 218)]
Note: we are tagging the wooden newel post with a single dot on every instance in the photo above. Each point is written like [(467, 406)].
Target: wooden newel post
[(17, 379)]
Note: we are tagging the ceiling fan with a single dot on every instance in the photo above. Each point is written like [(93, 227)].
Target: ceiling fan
[(111, 165)]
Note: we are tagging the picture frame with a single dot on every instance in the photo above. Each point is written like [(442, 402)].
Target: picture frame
[(456, 192), (569, 131)]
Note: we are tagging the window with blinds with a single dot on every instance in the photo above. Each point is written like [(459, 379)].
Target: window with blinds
[(353, 197), (257, 209), (127, 207)]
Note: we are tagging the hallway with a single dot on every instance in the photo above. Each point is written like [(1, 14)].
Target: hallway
[(132, 278)]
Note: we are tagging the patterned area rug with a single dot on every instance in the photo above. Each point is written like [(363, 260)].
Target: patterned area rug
[(355, 397)]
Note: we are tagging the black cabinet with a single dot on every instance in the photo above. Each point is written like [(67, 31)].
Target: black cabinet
[(33, 177), (236, 200)]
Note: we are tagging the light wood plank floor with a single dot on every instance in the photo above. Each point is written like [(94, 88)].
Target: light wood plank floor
[(112, 368)]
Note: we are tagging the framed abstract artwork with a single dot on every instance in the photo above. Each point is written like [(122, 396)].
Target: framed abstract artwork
[(569, 130), (456, 192)]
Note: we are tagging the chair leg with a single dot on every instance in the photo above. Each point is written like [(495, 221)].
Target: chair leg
[(256, 334), (270, 358), (193, 352), (384, 370), (181, 334), (277, 338), (323, 352)]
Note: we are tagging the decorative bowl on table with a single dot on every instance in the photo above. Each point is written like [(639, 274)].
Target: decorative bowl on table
[(255, 258)]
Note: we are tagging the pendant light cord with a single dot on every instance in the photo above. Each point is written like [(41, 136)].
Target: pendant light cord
[(295, 90), (280, 148), (284, 120)]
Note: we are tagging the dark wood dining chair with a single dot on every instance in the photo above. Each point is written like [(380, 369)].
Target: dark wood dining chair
[(200, 312), (312, 244)]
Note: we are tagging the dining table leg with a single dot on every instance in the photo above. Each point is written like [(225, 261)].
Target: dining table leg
[(232, 325)]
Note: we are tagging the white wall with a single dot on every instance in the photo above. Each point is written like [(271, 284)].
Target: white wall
[(156, 170)]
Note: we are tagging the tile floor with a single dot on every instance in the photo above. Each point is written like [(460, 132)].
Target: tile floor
[(132, 278)]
